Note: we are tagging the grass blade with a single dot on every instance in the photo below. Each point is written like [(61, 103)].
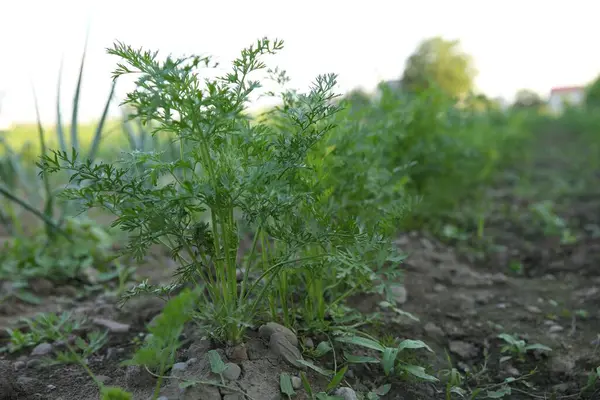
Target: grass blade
[(60, 132), (335, 381), (143, 134), (362, 342), (100, 127), (74, 118), (127, 130), (49, 204)]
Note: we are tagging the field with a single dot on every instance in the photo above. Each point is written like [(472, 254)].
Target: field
[(397, 246)]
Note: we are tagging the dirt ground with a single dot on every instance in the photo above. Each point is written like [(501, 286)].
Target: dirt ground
[(464, 294)]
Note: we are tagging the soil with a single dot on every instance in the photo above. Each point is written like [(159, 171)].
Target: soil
[(464, 293)]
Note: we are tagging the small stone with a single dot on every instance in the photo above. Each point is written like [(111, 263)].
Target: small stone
[(50, 387), (112, 326), (438, 288), (191, 361), (19, 365), (562, 366), (239, 274), (346, 393), (483, 297), (556, 329), (111, 353), (34, 363), (42, 349), (233, 372), (399, 294), (238, 353), (41, 286), (562, 387), (178, 368), (281, 346), (464, 350), (308, 343), (533, 309), (499, 278), (511, 371), (103, 379), (434, 331), (270, 328), (296, 382)]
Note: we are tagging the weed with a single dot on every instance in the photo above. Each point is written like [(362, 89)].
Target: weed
[(160, 346), (391, 359), (53, 327), (518, 347), (63, 260), (44, 327)]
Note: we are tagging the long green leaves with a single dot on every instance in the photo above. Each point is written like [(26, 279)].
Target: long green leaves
[(49, 203), (74, 130)]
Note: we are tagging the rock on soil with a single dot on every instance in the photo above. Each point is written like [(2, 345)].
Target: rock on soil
[(268, 329), (346, 393), (281, 346), (42, 349), (464, 350), (232, 372), (112, 326)]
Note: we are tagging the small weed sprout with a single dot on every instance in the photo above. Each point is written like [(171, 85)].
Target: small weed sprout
[(390, 360), (53, 327), (42, 328), (518, 347)]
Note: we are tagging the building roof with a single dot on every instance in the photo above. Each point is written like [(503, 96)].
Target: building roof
[(565, 89)]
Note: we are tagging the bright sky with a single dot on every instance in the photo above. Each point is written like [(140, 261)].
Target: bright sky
[(532, 44)]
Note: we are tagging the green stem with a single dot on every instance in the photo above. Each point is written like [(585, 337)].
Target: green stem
[(249, 259), (273, 271), (49, 222)]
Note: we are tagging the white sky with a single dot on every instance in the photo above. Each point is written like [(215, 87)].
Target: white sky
[(516, 44)]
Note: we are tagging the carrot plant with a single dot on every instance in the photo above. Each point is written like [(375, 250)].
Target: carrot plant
[(230, 166)]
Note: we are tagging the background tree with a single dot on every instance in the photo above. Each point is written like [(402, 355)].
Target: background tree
[(442, 62), (592, 94), (526, 98), (480, 102)]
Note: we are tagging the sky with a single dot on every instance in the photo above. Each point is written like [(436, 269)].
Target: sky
[(515, 44)]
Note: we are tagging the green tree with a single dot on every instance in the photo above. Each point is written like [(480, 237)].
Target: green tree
[(592, 93), (443, 63), (480, 102), (526, 98)]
